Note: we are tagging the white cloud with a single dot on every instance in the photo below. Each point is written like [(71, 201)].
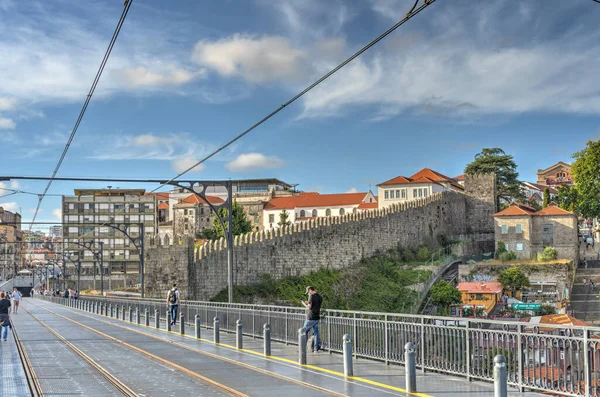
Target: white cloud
[(254, 59), (143, 77), (252, 161), (14, 184), (7, 124), (7, 103), (57, 213), (149, 139), (11, 206), (183, 164), (352, 190)]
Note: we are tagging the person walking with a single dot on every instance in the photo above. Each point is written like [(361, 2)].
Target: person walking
[(313, 315), (173, 302), (16, 297), (4, 314)]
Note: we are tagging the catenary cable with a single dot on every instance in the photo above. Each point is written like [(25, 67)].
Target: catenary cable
[(88, 98)]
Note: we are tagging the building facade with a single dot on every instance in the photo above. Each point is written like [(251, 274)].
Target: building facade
[(481, 294), (556, 175), (420, 185), (527, 232), (86, 214), (307, 206), (192, 214), (535, 192)]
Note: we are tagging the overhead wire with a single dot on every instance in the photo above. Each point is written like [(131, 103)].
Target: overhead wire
[(413, 12), (111, 44)]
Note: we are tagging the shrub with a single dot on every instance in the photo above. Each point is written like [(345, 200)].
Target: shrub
[(471, 262), (549, 254), (423, 254), (408, 255), (508, 256), (500, 249), (546, 309)]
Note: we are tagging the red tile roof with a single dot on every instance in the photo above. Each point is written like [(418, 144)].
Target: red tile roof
[(315, 200), (194, 199), (163, 206), (553, 209), (426, 175), (368, 206), (562, 319), (492, 287), (520, 209), (159, 195), (460, 177), (541, 188)]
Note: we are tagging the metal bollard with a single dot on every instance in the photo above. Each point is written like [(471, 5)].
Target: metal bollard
[(168, 321), (410, 368), (137, 315), (156, 319), (216, 326), (181, 324), (302, 346), (197, 326), (98, 308), (111, 310), (500, 377), (239, 337), (130, 314), (123, 312), (267, 339), (146, 317), (347, 349)]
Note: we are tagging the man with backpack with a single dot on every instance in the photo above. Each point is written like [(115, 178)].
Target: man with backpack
[(173, 302), (313, 315)]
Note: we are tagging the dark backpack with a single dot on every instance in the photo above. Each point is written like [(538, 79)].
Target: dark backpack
[(172, 297)]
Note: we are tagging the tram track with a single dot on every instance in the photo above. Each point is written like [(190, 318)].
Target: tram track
[(118, 384), (187, 347), (32, 379)]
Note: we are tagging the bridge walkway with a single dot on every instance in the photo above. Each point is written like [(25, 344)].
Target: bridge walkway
[(150, 361)]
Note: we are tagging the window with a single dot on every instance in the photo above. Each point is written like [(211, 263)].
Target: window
[(354, 210), (504, 229), (342, 212), (398, 194), (302, 213), (519, 247), (251, 209), (425, 192), (415, 193), (479, 297), (403, 193), (519, 228), (255, 218), (271, 218), (387, 194), (314, 213), (548, 234), (327, 212)]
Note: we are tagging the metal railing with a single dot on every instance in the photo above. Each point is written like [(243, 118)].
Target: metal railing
[(543, 357)]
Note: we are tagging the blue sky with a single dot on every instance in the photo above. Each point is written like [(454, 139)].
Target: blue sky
[(186, 77)]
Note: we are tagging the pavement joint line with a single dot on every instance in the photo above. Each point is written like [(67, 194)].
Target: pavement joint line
[(122, 387), (275, 358), (216, 356), (186, 371)]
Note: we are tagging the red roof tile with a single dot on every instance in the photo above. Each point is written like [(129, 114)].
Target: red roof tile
[(194, 199), (561, 319), (368, 206), (516, 209), (541, 188), (553, 210), (315, 200), (426, 175), (460, 177), (163, 206), (159, 195), (492, 287)]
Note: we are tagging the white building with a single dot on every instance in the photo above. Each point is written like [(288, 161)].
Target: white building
[(420, 185), (308, 206), (535, 192)]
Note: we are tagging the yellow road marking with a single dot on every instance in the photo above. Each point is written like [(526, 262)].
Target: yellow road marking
[(309, 366)]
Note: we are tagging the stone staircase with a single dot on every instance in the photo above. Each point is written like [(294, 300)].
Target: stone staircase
[(585, 303)]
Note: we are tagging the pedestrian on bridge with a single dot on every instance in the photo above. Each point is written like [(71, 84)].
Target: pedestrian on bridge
[(16, 297), (173, 302), (313, 315), (4, 314)]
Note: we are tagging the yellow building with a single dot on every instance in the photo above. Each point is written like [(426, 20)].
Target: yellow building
[(486, 294)]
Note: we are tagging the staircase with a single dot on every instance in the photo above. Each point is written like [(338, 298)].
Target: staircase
[(585, 303)]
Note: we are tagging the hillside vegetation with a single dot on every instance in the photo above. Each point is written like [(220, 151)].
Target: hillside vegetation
[(380, 283)]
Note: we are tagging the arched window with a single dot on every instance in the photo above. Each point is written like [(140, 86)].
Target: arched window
[(314, 213), (354, 210), (342, 212), (328, 212), (302, 214)]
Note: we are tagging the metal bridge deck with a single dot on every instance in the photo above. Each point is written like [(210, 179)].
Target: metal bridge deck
[(153, 362)]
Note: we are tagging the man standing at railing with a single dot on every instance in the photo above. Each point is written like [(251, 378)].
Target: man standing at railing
[(313, 315), (173, 302)]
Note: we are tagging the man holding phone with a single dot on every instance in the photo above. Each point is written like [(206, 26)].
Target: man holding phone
[(313, 314)]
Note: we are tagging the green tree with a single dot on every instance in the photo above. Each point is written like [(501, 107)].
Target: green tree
[(497, 161), (444, 294), (514, 279), (546, 200), (586, 169), (567, 197), (241, 224), (501, 248), (284, 219)]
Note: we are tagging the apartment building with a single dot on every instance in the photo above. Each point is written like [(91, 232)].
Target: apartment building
[(85, 218)]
